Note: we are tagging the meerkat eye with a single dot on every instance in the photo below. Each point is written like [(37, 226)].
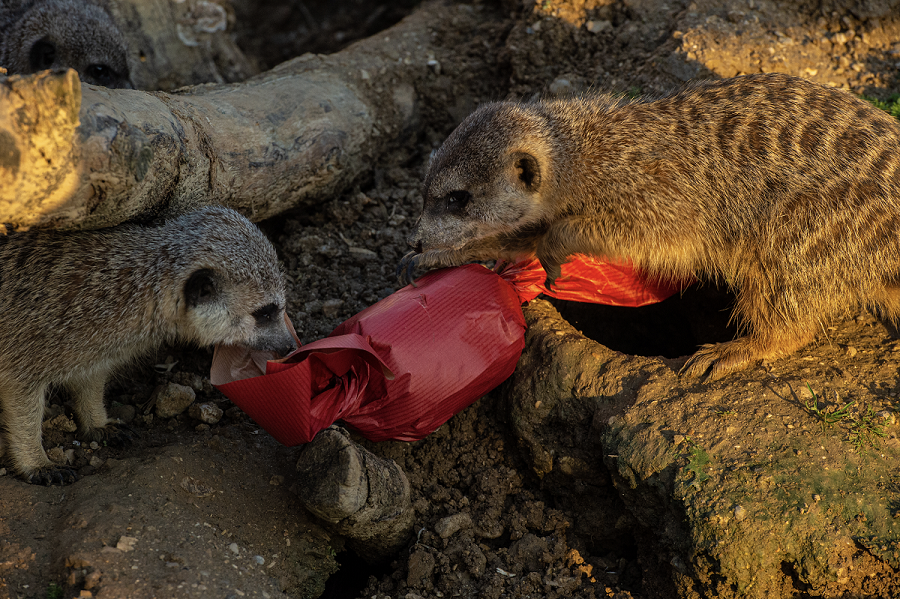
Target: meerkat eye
[(266, 314), (42, 55), (100, 73), (458, 200)]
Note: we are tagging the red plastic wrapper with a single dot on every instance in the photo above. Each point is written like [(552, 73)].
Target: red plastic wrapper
[(402, 367), (587, 279)]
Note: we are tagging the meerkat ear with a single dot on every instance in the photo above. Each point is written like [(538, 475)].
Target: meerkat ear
[(528, 170), (200, 288)]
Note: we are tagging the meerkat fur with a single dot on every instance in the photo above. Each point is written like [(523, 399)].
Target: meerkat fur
[(56, 34), (786, 189), (78, 305)]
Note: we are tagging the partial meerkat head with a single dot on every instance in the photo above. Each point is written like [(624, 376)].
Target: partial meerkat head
[(232, 289), (55, 34), (487, 179)]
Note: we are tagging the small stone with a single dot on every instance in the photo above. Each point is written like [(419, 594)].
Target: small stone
[(817, 498), (57, 455), (172, 399), (96, 461), (70, 456), (740, 513), (419, 568), (206, 412), (94, 446), (61, 423), (2, 471), (126, 543), (851, 351), (887, 417), (189, 379), (331, 308), (449, 526), (196, 487), (561, 86), (234, 548), (92, 579), (598, 26), (259, 559)]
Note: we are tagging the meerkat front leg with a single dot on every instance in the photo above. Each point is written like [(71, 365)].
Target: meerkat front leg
[(93, 422), (564, 238), (21, 418)]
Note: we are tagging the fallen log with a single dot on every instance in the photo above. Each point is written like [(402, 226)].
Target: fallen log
[(79, 156)]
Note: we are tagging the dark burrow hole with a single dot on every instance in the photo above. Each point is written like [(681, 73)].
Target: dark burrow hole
[(352, 576), (672, 328)]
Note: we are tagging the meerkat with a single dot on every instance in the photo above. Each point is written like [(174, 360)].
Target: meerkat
[(53, 34), (787, 190), (78, 305)]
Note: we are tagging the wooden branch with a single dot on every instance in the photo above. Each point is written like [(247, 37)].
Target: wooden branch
[(289, 137)]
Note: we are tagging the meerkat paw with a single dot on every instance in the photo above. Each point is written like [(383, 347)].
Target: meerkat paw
[(720, 359), (114, 434), (50, 474)]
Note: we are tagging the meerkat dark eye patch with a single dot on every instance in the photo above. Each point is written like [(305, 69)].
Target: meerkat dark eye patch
[(266, 315), (528, 171), (42, 55), (458, 200), (200, 288)]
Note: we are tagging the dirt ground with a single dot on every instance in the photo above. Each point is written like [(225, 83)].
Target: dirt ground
[(226, 485)]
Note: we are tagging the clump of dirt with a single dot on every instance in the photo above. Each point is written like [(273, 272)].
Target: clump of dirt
[(498, 512)]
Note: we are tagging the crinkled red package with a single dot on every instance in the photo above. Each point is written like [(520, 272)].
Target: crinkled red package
[(402, 367)]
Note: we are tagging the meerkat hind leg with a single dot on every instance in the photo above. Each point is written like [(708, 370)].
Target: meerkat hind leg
[(21, 418), (93, 422)]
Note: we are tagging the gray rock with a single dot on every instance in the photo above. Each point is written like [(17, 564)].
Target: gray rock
[(172, 399), (449, 526), (208, 413)]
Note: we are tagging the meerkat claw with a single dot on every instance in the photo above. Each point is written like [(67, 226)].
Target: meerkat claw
[(553, 273), (50, 475), (114, 434), (120, 434), (407, 268)]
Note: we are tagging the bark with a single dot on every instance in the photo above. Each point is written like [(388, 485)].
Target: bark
[(290, 137)]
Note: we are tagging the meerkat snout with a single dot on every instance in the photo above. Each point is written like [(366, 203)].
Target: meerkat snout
[(54, 34)]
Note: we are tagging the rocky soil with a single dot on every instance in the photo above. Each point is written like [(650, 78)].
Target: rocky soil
[(595, 471)]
